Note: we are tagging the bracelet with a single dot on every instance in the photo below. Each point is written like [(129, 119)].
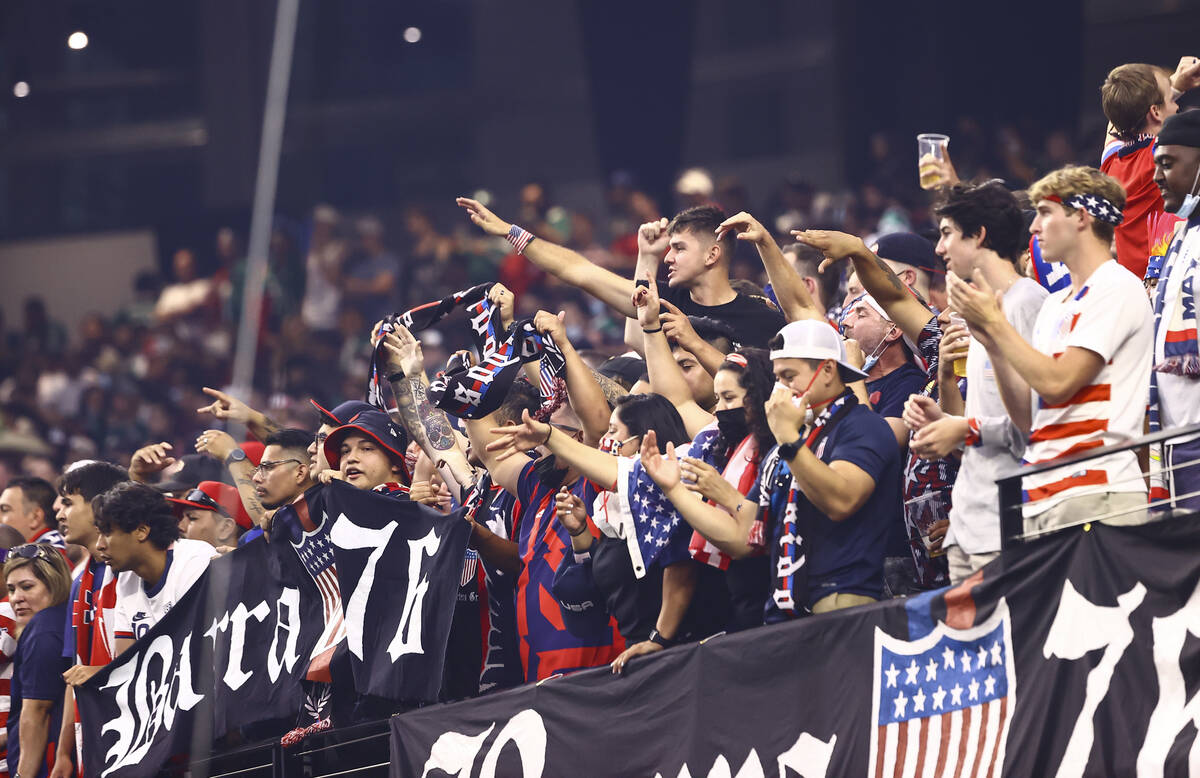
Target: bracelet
[(548, 434), (648, 332), (519, 238), (582, 530), (396, 376)]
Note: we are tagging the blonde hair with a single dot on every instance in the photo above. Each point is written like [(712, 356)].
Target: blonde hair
[(1079, 179), (49, 567)]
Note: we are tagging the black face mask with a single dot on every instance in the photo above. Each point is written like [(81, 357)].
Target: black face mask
[(733, 425)]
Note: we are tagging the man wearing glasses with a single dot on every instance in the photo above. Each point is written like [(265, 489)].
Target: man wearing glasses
[(285, 471)]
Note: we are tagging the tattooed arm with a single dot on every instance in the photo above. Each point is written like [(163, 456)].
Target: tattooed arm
[(430, 427), (219, 445)]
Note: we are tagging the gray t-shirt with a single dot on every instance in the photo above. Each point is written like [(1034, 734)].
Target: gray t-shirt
[(975, 515)]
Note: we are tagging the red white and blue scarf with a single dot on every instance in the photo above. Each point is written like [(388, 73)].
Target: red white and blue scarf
[(1181, 354)]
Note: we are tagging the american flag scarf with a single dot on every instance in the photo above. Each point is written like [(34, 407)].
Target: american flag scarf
[(637, 512), (1180, 351), (790, 576), (92, 646), (742, 471)]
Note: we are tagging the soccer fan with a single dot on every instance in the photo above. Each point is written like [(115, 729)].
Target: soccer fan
[(1137, 99), (1175, 380), (139, 539), (9, 538), (27, 505), (367, 452), (721, 464), (241, 503), (697, 271), (646, 585), (888, 302), (88, 639), (213, 513), (285, 471), (38, 583), (329, 421), (545, 645), (1089, 358), (982, 235)]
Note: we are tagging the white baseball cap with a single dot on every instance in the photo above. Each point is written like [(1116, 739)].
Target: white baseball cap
[(812, 339)]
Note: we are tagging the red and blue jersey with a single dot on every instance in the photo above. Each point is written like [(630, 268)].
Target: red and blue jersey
[(545, 644)]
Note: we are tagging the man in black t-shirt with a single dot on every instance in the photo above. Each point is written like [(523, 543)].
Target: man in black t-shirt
[(697, 269)]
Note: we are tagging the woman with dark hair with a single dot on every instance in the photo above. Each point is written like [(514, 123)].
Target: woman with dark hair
[(38, 583), (722, 463), (639, 567)]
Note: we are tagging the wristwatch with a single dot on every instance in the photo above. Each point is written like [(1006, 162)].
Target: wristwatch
[(657, 637), (788, 451), (237, 455)]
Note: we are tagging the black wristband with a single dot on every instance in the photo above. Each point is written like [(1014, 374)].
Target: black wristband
[(651, 331), (396, 376), (660, 639), (582, 530), (788, 451)]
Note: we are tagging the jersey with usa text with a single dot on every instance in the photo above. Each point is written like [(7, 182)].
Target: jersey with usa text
[(1111, 317), (546, 646), (139, 608)]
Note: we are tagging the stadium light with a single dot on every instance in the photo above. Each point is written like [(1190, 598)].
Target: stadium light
[(21, 89), (412, 34), (77, 40)]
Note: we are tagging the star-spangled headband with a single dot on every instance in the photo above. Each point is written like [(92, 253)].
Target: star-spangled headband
[(1099, 207)]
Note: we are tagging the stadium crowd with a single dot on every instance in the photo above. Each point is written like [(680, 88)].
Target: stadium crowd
[(747, 420)]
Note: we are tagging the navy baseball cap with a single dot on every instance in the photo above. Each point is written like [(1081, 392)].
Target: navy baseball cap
[(343, 412), (911, 249), (376, 425)]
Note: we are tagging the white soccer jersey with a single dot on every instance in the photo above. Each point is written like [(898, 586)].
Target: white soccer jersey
[(1111, 317), (139, 609)]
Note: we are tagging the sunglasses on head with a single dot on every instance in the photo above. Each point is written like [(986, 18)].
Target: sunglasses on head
[(26, 551), (198, 496)]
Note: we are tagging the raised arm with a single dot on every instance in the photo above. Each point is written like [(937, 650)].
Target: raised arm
[(653, 241), (665, 376), (228, 408), (560, 262), (794, 298), (726, 527), (219, 445), (530, 433), (903, 306), (587, 398), (430, 427)]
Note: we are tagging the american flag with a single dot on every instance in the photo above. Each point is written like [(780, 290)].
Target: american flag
[(316, 554), (640, 514), (942, 703)]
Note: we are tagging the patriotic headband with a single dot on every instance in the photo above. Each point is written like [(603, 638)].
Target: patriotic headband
[(738, 360), (1097, 206)]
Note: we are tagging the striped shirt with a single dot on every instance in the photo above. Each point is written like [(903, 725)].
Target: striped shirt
[(1110, 316)]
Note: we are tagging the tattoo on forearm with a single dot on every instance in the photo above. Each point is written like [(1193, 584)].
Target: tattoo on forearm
[(250, 499), (891, 276), (434, 420)]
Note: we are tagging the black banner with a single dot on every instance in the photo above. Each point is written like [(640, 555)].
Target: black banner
[(399, 571), (242, 634), (1077, 655), (235, 650)]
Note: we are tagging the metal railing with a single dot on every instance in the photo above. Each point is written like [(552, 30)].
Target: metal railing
[(1012, 515)]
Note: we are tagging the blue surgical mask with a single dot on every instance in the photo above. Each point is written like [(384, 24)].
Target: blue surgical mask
[(1190, 200), (870, 361)]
